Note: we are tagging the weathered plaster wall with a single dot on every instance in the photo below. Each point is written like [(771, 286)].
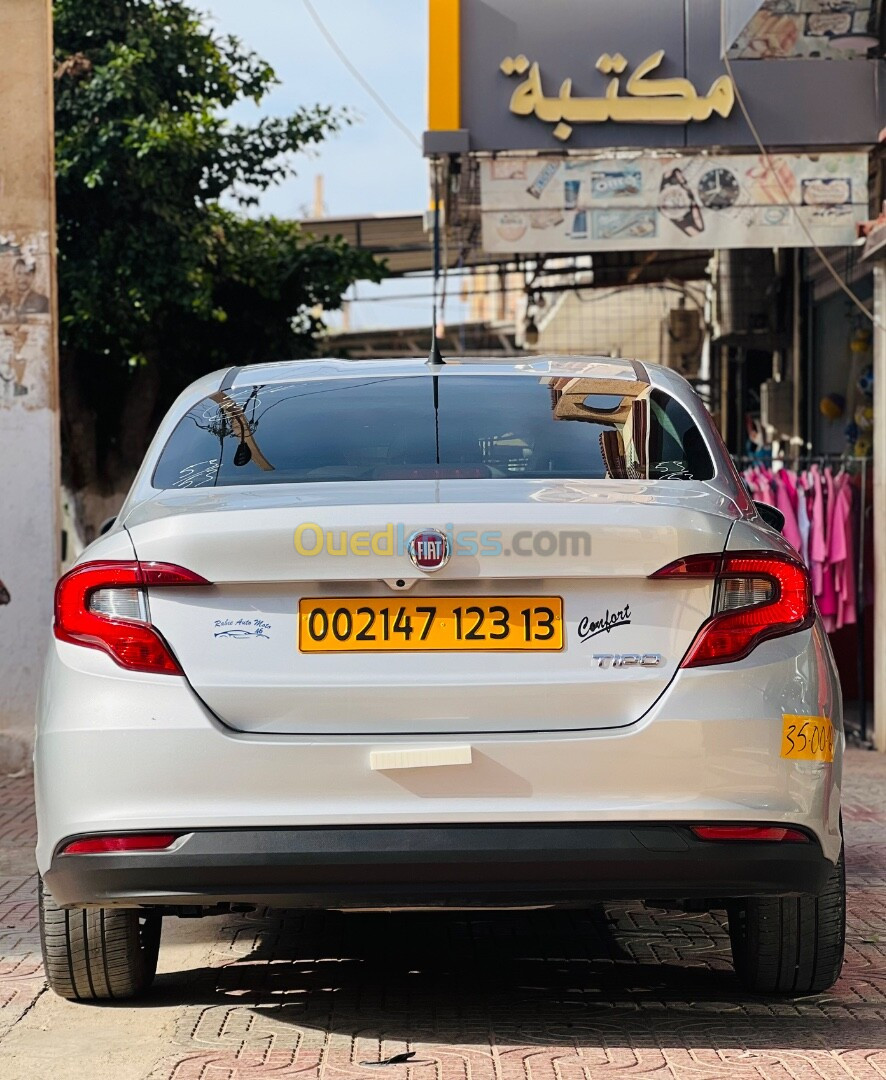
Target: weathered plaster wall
[(28, 383)]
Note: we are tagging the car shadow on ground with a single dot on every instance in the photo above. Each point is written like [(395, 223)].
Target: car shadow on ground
[(549, 978)]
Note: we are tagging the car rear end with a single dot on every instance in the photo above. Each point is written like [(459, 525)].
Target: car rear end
[(389, 637)]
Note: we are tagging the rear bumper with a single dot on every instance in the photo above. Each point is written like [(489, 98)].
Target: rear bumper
[(119, 754), (457, 865)]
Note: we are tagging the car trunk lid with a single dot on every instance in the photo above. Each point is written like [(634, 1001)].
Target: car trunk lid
[(590, 545)]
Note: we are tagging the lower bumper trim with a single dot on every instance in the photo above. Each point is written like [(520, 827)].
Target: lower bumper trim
[(437, 865)]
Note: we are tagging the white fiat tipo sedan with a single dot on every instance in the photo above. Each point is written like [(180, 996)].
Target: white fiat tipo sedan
[(402, 634)]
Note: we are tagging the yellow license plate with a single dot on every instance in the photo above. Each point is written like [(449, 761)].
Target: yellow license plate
[(450, 624), (807, 738)]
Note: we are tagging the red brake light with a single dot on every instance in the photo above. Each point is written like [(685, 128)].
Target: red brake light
[(132, 642), (750, 832), (694, 566), (96, 845), (757, 596)]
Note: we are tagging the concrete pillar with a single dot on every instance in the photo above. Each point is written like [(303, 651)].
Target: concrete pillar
[(29, 442), (879, 530)]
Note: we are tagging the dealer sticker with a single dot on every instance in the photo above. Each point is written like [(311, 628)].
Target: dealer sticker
[(807, 738)]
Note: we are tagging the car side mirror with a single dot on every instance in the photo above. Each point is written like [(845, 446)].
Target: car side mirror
[(773, 517)]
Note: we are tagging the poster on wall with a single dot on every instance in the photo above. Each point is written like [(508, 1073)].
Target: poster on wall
[(539, 205), (827, 29), (25, 321)]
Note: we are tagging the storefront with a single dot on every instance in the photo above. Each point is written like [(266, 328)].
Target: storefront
[(721, 155)]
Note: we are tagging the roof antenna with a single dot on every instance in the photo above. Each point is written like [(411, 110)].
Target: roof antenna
[(434, 358)]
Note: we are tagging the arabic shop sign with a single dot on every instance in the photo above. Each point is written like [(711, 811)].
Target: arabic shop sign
[(605, 202), (646, 101), (532, 75)]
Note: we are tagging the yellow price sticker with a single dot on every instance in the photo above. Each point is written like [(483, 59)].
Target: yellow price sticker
[(807, 738)]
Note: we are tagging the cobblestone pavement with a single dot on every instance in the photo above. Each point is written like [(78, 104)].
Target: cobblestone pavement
[(625, 991)]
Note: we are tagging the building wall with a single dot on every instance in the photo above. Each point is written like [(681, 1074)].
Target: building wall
[(619, 322), (28, 384)]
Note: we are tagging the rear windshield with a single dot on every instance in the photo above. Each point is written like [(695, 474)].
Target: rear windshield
[(424, 427)]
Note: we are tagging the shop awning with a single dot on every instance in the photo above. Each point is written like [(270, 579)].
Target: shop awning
[(401, 241)]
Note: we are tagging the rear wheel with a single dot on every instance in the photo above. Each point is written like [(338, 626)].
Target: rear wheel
[(97, 954), (791, 945)]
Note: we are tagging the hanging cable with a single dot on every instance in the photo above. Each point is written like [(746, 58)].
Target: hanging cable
[(367, 86), (767, 157)]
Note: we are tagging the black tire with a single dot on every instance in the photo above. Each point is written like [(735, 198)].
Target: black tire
[(791, 945), (97, 954)]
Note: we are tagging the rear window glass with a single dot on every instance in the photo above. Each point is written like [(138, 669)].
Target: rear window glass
[(424, 427)]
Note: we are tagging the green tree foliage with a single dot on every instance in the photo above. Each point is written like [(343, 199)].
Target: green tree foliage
[(159, 279)]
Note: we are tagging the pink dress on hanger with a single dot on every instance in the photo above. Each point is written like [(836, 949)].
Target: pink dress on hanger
[(803, 522), (841, 552), (818, 549), (789, 479), (827, 601), (753, 484), (784, 502)]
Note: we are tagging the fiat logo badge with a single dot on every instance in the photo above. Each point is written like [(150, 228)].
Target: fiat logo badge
[(428, 550)]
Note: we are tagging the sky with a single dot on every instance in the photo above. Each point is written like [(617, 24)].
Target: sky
[(371, 167)]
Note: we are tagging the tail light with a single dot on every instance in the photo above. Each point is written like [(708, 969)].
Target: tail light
[(104, 605), (756, 596), (770, 833), (101, 845)]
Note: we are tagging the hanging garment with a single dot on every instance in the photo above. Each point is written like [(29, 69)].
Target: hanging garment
[(841, 551), (819, 511), (827, 597), (760, 479), (752, 483), (790, 481), (818, 550), (803, 522), (784, 503)]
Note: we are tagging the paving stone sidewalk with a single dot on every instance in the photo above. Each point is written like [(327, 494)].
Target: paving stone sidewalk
[(622, 991)]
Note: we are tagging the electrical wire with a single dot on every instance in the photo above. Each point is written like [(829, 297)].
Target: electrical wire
[(601, 293), (767, 157), (367, 86), (396, 297)]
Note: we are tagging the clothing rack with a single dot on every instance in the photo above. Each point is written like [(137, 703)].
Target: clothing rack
[(861, 465)]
